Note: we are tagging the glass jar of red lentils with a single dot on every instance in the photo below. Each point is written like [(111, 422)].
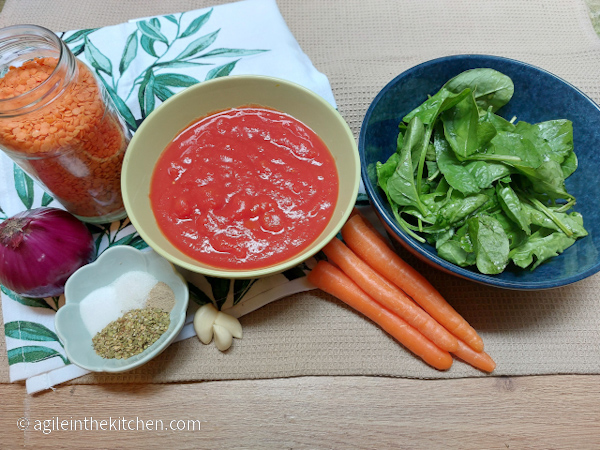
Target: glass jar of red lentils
[(58, 123)]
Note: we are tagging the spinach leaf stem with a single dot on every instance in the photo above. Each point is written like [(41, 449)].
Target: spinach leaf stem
[(539, 205)]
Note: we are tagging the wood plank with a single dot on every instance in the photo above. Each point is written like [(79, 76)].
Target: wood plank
[(313, 412)]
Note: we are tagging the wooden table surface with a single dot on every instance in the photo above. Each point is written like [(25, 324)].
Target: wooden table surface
[(558, 412)]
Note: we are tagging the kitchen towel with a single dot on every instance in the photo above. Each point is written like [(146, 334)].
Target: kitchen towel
[(360, 46), (175, 51)]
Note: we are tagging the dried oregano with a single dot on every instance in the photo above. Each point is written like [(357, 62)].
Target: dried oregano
[(131, 334)]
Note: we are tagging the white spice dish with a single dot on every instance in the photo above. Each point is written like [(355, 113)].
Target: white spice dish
[(74, 321)]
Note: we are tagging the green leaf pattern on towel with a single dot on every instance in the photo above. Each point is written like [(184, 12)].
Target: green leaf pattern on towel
[(135, 94), (24, 187), (152, 42), (33, 354), (222, 292), (29, 331), (33, 302)]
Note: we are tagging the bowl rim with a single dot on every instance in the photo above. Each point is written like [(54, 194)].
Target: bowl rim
[(433, 259), (275, 268)]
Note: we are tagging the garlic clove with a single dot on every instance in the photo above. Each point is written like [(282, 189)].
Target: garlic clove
[(203, 322), (231, 323), (223, 338)]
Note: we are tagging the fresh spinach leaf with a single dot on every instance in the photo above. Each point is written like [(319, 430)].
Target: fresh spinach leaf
[(547, 218), (554, 136), (401, 186), (429, 111), (400, 141), (490, 87), (539, 247), (490, 243), (516, 235), (484, 190), (513, 149), (459, 248), (486, 129), (497, 122), (547, 179), (569, 165), (461, 126), (459, 207), (386, 170), (512, 207), (467, 177), (452, 251)]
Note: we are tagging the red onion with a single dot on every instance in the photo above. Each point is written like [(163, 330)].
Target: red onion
[(40, 249)]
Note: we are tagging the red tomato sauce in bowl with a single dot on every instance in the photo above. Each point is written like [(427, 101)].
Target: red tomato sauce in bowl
[(244, 188)]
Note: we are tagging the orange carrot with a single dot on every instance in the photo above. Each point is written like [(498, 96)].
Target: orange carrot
[(479, 360), (371, 248), (333, 281), (390, 296), (356, 212)]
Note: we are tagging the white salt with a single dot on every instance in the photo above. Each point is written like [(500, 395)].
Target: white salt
[(133, 289), (107, 304), (99, 308)]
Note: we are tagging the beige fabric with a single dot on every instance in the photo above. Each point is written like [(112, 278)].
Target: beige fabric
[(361, 45)]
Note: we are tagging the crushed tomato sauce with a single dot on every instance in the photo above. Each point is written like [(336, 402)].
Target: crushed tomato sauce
[(247, 187)]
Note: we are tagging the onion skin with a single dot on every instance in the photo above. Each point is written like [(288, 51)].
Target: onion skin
[(40, 249)]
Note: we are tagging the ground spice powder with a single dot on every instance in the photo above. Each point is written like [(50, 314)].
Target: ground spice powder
[(161, 296), (74, 146)]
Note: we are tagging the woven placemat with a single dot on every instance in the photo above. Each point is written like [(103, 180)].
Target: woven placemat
[(361, 46)]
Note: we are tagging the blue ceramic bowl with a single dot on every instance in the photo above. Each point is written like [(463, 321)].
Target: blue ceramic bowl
[(539, 96)]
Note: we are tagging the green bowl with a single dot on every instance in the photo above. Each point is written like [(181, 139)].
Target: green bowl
[(175, 114), (109, 266)]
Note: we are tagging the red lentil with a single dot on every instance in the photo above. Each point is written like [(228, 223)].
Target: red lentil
[(73, 146)]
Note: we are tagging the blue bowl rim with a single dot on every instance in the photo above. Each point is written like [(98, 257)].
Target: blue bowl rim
[(416, 248)]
